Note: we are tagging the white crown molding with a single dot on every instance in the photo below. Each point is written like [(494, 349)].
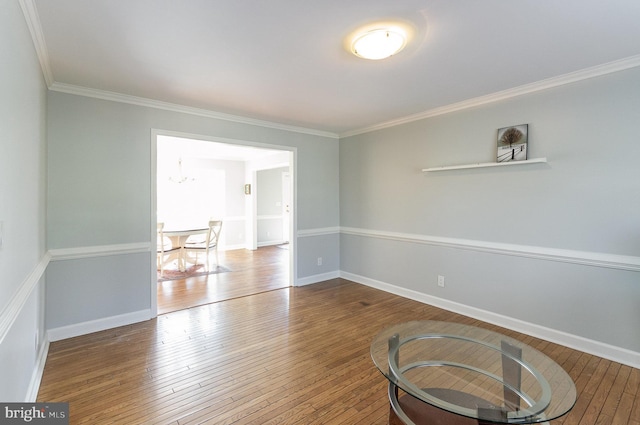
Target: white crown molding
[(157, 104), (35, 28), (572, 77), (32, 18), (597, 348), (12, 310), (98, 251), (585, 258)]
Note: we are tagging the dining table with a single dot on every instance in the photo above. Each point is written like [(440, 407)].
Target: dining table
[(179, 237)]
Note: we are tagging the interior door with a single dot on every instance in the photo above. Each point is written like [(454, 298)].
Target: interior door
[(286, 205)]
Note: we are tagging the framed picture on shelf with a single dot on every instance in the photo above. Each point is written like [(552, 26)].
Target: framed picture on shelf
[(512, 143)]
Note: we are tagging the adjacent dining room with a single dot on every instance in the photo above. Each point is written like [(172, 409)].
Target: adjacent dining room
[(223, 217)]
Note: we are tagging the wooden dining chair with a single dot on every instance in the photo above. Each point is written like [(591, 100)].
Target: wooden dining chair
[(164, 247), (206, 245)]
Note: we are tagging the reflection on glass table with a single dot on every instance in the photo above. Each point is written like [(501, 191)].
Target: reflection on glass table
[(453, 373)]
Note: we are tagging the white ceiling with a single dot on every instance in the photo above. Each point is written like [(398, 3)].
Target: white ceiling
[(283, 61)]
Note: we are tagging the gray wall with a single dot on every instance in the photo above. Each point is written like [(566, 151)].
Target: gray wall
[(22, 204), (407, 227), (269, 194), (100, 193)]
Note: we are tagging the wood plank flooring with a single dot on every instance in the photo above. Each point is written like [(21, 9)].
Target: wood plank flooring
[(296, 355), (251, 272)]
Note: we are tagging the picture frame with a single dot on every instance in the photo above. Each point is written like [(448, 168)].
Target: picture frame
[(513, 143)]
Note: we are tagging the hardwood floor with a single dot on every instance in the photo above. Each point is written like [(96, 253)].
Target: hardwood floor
[(296, 355), (250, 272)]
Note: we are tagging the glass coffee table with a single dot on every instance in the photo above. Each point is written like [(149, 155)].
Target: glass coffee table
[(457, 374)]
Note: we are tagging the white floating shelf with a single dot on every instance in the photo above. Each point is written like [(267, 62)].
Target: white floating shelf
[(485, 164)]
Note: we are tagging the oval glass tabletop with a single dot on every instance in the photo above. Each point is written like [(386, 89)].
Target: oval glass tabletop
[(472, 372)]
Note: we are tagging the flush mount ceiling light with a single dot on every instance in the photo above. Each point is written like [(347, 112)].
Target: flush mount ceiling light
[(379, 43)]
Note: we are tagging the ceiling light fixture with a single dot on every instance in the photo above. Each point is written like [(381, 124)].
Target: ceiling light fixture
[(379, 43)]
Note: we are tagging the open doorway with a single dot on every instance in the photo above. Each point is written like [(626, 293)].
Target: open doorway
[(197, 180)]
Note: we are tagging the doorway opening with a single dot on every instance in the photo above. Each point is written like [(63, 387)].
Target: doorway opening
[(250, 188)]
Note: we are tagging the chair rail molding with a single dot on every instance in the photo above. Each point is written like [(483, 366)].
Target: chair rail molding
[(318, 232), (59, 254), (596, 259), (12, 310)]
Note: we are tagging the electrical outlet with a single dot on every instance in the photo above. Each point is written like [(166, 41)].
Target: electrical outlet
[(319, 261), (441, 281)]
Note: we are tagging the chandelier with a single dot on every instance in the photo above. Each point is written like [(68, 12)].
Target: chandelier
[(181, 178)]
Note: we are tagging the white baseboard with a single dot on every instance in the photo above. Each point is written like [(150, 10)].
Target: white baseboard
[(271, 243), (316, 278), (600, 349), (97, 325), (36, 376), (233, 247)]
